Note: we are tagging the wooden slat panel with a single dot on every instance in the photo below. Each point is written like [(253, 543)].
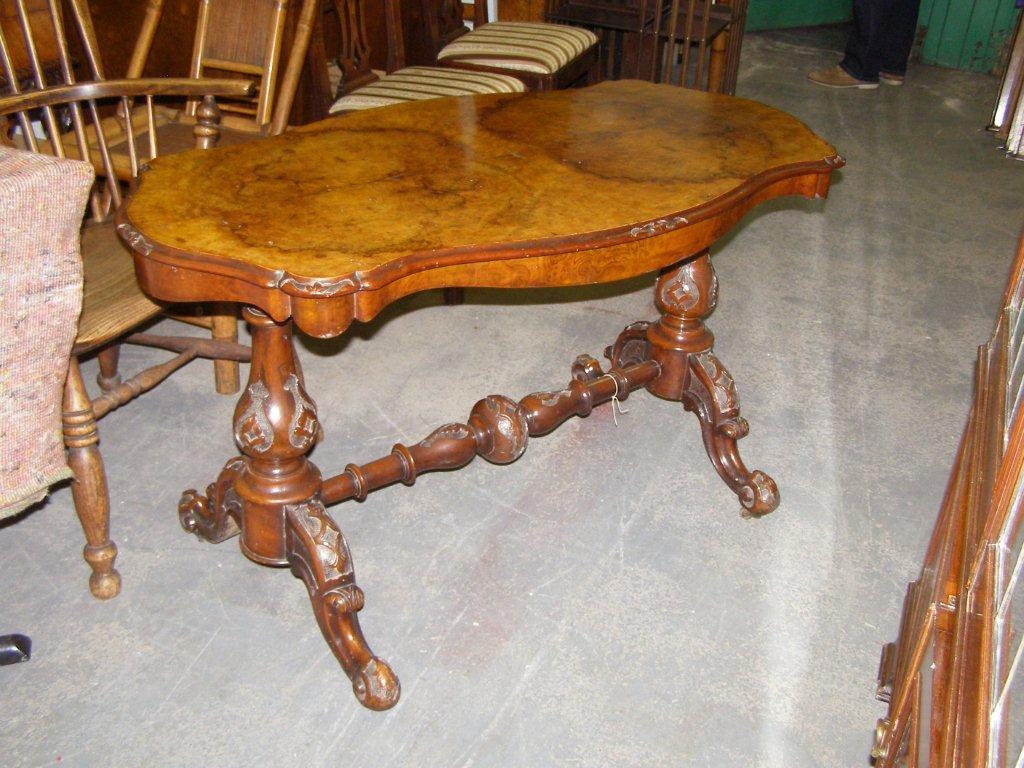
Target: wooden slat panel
[(225, 41)]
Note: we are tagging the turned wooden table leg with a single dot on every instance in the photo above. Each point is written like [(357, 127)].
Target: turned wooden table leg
[(272, 497), (682, 344)]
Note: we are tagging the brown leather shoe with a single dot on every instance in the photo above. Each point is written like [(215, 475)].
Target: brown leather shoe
[(837, 77), (890, 79)]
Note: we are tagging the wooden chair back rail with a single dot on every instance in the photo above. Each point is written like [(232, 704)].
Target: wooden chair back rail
[(354, 47), (960, 636), (105, 196), (26, 50)]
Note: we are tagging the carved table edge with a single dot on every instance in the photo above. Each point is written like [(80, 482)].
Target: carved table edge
[(330, 287)]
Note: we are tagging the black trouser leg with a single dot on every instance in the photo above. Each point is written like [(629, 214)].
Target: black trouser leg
[(899, 36), (881, 38)]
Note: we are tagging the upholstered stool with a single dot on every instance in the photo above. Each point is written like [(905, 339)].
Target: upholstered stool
[(417, 83), (546, 56)]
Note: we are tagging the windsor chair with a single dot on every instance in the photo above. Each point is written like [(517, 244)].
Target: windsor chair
[(67, 120)]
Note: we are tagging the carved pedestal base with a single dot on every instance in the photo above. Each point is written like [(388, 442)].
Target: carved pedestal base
[(274, 497), (271, 496), (691, 373)]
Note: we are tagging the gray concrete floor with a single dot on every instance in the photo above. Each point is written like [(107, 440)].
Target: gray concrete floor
[(600, 602)]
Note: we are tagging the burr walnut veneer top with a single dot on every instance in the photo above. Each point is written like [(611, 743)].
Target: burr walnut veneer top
[(450, 186)]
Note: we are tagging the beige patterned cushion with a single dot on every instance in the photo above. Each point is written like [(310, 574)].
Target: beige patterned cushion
[(520, 46), (42, 200), (416, 83)]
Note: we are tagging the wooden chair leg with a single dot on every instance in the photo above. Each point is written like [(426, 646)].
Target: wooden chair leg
[(454, 296), (225, 328), (594, 73), (716, 67), (89, 486), (108, 358)]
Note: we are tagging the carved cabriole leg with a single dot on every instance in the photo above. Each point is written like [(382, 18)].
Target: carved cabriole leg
[(273, 496), (681, 343), (320, 557), (89, 486)]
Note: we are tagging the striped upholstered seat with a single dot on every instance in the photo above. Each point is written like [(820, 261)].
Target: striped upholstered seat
[(520, 46), (416, 83)]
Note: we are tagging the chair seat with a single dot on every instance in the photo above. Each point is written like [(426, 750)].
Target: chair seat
[(520, 46), (112, 302), (418, 83)]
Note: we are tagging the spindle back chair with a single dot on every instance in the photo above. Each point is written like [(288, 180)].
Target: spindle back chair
[(66, 120)]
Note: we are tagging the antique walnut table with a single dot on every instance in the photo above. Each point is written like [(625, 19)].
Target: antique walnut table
[(331, 223)]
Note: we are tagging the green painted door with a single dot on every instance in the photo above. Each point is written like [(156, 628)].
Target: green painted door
[(966, 34), (775, 14)]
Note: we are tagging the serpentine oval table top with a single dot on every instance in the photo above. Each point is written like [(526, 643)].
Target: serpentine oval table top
[(349, 196)]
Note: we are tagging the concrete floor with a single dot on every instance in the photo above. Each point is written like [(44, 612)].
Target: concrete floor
[(600, 602)]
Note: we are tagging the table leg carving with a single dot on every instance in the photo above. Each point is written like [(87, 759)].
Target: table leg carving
[(271, 495), (691, 373), (319, 555)]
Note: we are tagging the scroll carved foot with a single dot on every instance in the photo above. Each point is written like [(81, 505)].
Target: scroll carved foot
[(711, 395), (214, 517), (319, 555), (631, 346)]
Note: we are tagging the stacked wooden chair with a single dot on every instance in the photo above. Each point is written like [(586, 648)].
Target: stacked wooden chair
[(543, 55), (67, 119)]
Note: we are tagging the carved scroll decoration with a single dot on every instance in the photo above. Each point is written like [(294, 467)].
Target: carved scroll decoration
[(135, 239), (329, 545), (723, 387), (253, 430), (214, 517), (318, 288), (304, 425)]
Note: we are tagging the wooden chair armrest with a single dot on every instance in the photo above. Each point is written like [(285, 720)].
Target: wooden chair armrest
[(102, 89)]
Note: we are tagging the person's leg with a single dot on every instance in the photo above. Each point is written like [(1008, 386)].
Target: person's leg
[(899, 32), (862, 58)]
